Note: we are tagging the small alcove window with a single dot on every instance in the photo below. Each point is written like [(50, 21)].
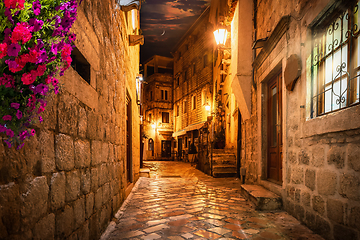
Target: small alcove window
[(80, 64)]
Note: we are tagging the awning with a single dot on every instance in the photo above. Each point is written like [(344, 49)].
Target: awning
[(189, 128), (179, 133), (194, 126)]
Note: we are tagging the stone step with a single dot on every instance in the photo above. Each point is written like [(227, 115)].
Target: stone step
[(224, 151), (224, 170), (260, 198)]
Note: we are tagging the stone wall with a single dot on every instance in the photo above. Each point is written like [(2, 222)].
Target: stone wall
[(321, 173), (69, 179)]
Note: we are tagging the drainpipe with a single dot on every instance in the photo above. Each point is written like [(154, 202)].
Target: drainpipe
[(238, 152), (255, 38)]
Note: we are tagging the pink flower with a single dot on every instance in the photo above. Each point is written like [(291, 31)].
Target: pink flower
[(41, 109), (41, 119), (19, 114), (15, 105), (7, 118), (21, 32), (48, 80), (14, 4), (9, 132), (28, 78), (55, 82), (32, 132), (3, 50)]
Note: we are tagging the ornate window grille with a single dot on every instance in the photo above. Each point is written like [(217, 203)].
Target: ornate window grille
[(336, 61)]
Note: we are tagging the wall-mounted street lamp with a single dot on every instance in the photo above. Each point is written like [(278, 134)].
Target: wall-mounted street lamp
[(220, 36), (153, 125), (207, 107)]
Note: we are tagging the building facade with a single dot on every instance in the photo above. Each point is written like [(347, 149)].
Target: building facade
[(193, 83), (157, 107), (69, 180), (295, 80)]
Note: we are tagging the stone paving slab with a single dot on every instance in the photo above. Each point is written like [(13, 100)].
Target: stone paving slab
[(196, 206)]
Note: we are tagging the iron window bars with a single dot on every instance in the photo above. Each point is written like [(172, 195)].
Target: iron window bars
[(335, 57)]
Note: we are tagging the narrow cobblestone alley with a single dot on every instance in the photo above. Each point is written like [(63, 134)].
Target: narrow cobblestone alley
[(180, 202)]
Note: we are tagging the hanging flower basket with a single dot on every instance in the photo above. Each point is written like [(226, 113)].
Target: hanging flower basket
[(35, 47)]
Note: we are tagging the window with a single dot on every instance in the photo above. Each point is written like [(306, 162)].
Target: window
[(203, 97), (177, 81), (80, 64), (335, 62), (194, 69), (149, 117), (165, 117), (177, 110), (164, 95), (185, 106), (151, 95), (194, 102), (205, 61)]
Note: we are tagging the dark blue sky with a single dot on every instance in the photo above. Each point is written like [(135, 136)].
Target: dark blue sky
[(164, 22)]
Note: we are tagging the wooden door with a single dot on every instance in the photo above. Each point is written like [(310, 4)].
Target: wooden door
[(274, 160), (165, 149)]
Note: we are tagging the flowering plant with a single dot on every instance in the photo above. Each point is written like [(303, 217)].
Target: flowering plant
[(35, 46)]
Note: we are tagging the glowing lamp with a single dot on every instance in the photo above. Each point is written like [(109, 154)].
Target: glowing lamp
[(220, 36), (153, 125), (207, 107)]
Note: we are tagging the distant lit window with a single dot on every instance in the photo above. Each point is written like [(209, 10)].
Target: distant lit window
[(80, 64), (203, 97), (194, 102), (149, 117), (185, 106), (194, 69), (165, 117), (177, 110)]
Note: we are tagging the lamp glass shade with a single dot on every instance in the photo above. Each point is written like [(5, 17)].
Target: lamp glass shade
[(220, 36), (207, 107)]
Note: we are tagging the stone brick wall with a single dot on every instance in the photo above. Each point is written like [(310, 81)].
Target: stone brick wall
[(321, 173), (69, 179)]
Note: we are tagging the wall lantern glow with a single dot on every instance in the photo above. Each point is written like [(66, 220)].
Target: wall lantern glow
[(207, 107), (153, 125), (220, 36)]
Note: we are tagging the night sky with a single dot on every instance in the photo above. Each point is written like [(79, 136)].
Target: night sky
[(164, 22)]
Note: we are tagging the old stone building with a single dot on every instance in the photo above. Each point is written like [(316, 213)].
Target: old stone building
[(295, 79), (157, 107), (193, 82), (69, 180)]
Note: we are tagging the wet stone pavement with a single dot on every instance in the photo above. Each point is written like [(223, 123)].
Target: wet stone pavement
[(179, 202)]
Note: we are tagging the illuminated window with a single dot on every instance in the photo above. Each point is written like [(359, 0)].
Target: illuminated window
[(185, 106), (165, 117), (335, 61), (193, 102)]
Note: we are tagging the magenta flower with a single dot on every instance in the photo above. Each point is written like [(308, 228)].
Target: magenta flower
[(9, 132), (32, 132), (36, 7), (2, 128), (14, 49), (36, 24), (19, 114), (41, 119), (7, 118), (15, 105)]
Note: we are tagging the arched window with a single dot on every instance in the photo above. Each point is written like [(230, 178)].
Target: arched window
[(151, 144)]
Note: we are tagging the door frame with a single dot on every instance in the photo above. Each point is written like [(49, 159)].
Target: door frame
[(275, 80), (128, 139)]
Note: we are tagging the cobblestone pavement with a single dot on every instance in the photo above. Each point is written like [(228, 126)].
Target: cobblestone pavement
[(179, 202)]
